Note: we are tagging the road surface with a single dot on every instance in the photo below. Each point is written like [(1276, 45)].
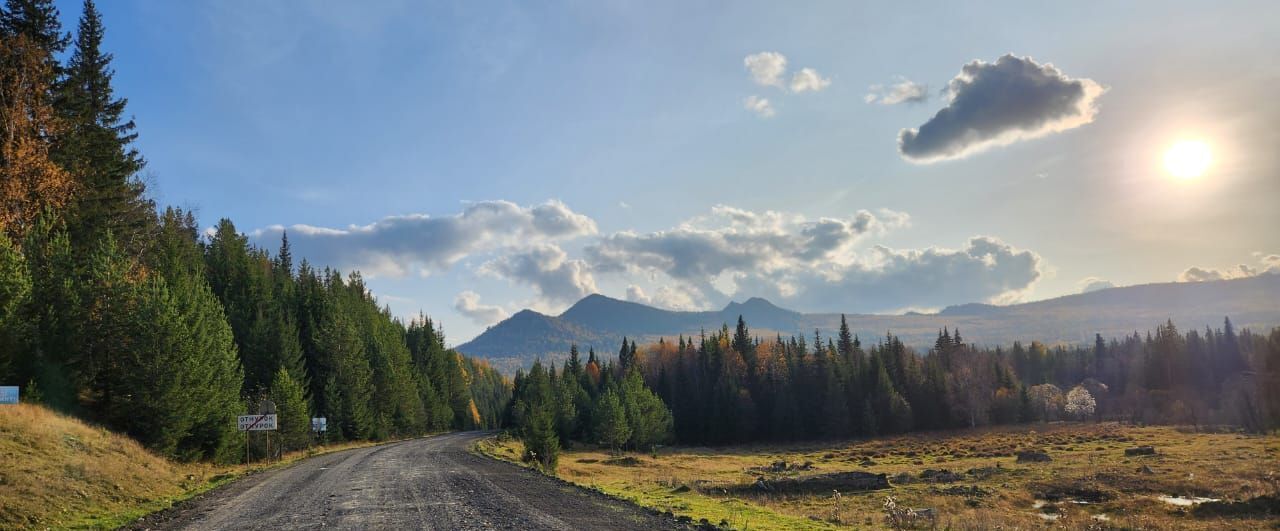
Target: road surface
[(429, 483)]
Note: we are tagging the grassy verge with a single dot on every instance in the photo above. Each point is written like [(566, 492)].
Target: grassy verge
[(1089, 482), (57, 472)]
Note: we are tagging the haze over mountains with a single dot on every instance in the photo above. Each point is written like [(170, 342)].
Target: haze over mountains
[(601, 322)]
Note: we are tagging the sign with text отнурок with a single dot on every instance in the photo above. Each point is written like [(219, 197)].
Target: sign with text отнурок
[(256, 422)]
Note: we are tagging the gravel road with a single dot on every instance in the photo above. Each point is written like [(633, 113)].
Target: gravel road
[(429, 483)]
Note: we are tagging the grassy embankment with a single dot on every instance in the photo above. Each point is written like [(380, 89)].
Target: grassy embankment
[(57, 472), (1090, 482)]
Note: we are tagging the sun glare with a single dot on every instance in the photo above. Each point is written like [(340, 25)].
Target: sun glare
[(1188, 159)]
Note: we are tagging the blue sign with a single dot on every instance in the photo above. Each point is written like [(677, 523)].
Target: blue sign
[(8, 394)]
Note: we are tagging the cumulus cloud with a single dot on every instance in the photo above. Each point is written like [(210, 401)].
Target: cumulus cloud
[(815, 264), (1268, 264), (904, 91), (808, 80), (636, 294), (396, 245), (758, 105), (547, 269), (1089, 284), (468, 304), (994, 104), (985, 269), (732, 239), (766, 68)]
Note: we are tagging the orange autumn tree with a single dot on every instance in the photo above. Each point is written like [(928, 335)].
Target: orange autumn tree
[(30, 182)]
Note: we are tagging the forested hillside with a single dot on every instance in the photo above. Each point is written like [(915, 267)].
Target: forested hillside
[(133, 319)]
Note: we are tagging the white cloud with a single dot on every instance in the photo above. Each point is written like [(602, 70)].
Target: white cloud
[(547, 269), (758, 105), (808, 79), (1089, 284), (396, 245), (996, 104), (636, 294), (904, 91), (813, 263), (766, 68), (1268, 264), (468, 305)]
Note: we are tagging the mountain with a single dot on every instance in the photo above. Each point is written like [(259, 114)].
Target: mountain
[(601, 322)]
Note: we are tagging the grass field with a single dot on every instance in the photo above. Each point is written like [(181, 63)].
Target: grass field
[(57, 472), (967, 480)]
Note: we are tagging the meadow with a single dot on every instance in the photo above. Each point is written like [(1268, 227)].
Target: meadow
[(953, 480)]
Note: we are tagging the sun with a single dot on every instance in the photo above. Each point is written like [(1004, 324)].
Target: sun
[(1188, 159)]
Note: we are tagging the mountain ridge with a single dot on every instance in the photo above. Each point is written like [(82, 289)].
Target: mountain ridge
[(600, 322)]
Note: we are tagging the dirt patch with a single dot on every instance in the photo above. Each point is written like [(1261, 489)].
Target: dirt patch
[(1072, 490), (826, 483)]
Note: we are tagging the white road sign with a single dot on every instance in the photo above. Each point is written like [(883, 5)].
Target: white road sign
[(319, 424), (256, 422)]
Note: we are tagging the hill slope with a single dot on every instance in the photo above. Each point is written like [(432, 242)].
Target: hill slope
[(59, 472), (601, 322)]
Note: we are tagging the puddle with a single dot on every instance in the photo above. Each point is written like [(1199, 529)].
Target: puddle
[(1185, 501), (1041, 503)]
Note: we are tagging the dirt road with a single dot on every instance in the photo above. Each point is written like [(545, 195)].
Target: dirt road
[(430, 483)]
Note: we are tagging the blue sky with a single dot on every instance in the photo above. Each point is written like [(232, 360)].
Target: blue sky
[(496, 156)]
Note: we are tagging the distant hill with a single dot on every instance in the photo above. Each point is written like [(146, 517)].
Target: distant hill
[(601, 322)]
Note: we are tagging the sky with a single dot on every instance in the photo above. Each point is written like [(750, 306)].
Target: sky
[(475, 158)]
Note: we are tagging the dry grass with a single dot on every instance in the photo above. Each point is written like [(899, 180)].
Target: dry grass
[(1088, 465), (57, 472)]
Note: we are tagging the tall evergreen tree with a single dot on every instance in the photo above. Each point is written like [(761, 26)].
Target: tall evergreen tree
[(97, 145)]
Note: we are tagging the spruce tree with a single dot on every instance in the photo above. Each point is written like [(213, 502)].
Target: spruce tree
[(97, 147), (37, 21), (611, 421), (293, 417)]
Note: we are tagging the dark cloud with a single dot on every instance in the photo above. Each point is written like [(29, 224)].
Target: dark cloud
[(998, 103)]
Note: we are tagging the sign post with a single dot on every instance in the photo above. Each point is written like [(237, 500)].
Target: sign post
[(248, 423), (319, 425), (8, 394)]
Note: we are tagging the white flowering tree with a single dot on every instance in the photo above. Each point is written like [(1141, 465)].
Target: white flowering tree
[(1080, 404)]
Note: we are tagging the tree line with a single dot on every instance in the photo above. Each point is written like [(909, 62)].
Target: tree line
[(129, 317), (731, 387), (602, 402)]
